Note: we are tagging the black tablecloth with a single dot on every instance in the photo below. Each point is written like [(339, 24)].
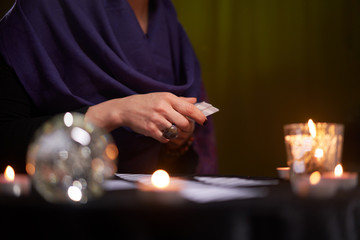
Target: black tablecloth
[(126, 214)]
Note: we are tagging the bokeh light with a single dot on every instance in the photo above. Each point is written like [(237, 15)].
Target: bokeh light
[(69, 159)]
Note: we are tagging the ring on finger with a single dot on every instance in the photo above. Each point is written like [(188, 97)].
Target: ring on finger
[(171, 132)]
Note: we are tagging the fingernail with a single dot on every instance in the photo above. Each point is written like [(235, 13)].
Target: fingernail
[(205, 122)]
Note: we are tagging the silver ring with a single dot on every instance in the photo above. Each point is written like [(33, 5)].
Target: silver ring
[(171, 132)]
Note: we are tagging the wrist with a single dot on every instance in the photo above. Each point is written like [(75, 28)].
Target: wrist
[(104, 116)]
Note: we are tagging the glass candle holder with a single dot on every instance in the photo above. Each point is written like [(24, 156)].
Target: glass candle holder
[(313, 147)]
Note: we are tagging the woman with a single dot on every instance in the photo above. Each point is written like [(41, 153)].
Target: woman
[(126, 64)]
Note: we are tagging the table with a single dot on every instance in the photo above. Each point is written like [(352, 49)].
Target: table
[(125, 214)]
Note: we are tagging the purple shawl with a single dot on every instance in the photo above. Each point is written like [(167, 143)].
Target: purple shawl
[(74, 53)]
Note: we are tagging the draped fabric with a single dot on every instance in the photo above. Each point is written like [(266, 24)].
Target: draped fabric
[(69, 54)]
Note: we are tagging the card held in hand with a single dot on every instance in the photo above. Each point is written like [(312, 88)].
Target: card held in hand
[(206, 108)]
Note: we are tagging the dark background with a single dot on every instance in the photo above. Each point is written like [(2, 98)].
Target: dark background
[(269, 63)]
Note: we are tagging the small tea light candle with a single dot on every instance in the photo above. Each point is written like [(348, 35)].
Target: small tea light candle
[(283, 172), (160, 179), (344, 180), (12, 184), (160, 187)]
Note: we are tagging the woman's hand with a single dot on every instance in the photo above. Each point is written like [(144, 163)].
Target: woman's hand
[(182, 138), (148, 114)]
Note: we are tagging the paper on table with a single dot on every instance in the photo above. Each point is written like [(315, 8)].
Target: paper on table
[(235, 182), (113, 185), (203, 193), (131, 177)]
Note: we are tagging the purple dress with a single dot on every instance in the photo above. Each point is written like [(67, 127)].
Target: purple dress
[(69, 54)]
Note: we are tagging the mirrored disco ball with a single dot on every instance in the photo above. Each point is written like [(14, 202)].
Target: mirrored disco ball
[(69, 159)]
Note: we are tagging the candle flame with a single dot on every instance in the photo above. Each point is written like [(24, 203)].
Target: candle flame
[(9, 174), (160, 179), (338, 171), (319, 153), (312, 128), (315, 178)]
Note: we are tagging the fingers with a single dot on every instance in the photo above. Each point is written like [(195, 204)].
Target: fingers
[(182, 137), (160, 129), (191, 100), (151, 114), (172, 125), (179, 120), (181, 111), (186, 107), (156, 133)]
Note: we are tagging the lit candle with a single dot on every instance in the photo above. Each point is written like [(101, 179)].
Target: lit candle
[(344, 180), (14, 184), (160, 179), (313, 146), (160, 187), (283, 172)]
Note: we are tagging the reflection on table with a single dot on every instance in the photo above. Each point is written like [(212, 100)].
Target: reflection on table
[(204, 207)]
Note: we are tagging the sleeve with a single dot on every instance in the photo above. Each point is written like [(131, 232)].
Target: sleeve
[(19, 119)]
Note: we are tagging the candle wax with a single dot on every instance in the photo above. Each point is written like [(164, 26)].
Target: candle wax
[(19, 186), (347, 181), (283, 172)]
